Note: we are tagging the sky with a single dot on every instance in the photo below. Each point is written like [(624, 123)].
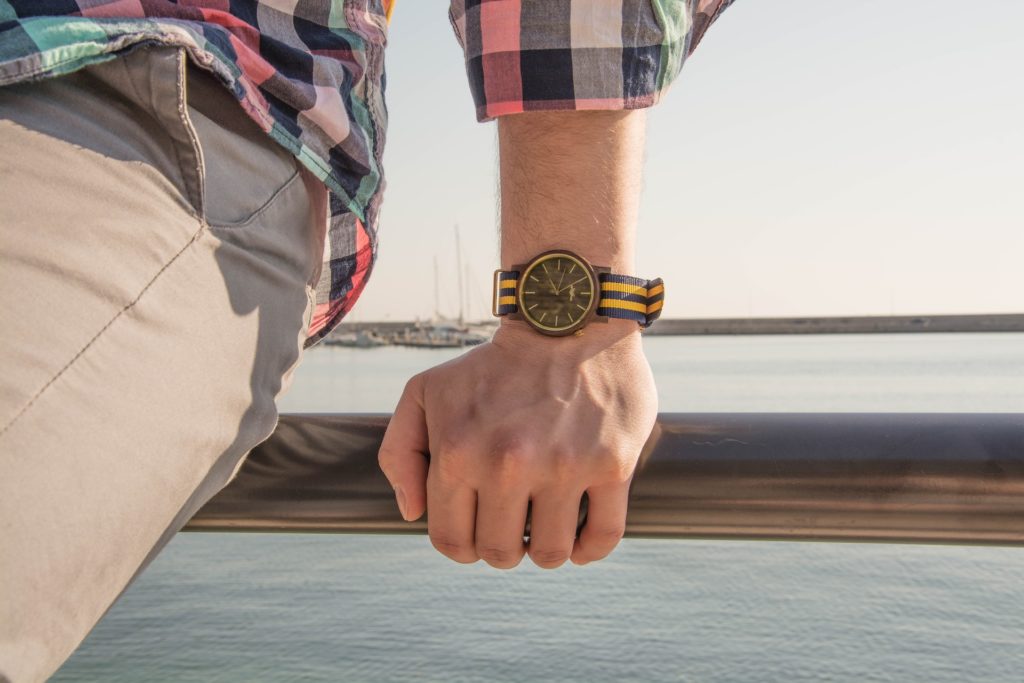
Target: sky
[(813, 158)]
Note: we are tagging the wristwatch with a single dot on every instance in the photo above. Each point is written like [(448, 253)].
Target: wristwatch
[(559, 292)]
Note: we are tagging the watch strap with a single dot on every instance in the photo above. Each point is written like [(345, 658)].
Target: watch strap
[(622, 296), (505, 292), (630, 298)]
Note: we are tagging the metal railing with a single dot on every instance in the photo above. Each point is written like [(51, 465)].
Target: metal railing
[(909, 478)]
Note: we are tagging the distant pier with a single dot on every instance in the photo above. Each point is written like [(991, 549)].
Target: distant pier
[(889, 324), (868, 324)]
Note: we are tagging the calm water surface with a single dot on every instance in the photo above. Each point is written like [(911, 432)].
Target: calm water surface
[(224, 607)]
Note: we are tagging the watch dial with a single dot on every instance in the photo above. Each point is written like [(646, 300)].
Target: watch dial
[(556, 292)]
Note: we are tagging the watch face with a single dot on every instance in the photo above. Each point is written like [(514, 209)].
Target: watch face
[(556, 293)]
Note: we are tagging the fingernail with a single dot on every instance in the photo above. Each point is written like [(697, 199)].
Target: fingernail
[(400, 497)]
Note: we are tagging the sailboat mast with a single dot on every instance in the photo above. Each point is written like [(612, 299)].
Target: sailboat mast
[(458, 270), (437, 294)]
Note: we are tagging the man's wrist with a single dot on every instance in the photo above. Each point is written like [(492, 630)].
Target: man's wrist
[(619, 259), (596, 336)]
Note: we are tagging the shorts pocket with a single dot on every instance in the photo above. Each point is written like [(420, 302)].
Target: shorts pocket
[(244, 170)]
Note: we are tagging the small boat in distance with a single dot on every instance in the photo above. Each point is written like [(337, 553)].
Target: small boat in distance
[(362, 339), (439, 336), (420, 334), (440, 332)]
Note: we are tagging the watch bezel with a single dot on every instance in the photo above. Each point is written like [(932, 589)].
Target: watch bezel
[(587, 316)]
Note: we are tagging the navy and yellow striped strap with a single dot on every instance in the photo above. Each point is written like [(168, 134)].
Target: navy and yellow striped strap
[(505, 292), (631, 298), (622, 296)]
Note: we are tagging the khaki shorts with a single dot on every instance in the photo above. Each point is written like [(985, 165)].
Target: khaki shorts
[(156, 256)]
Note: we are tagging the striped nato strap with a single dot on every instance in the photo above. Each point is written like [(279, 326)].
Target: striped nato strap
[(631, 298), (622, 296), (506, 297)]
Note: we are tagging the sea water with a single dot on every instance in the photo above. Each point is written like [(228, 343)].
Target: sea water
[(262, 607)]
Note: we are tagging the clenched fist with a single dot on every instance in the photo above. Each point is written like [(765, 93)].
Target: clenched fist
[(524, 421)]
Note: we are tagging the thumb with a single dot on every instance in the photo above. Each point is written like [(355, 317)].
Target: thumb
[(403, 453)]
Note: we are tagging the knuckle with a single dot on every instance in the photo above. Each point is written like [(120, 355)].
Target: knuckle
[(599, 542), (624, 473), (611, 534), (615, 468), (384, 458), (453, 549), (506, 469), (508, 461), (563, 465), (413, 389), (549, 558), (501, 558), (451, 467), (449, 444), (387, 457), (415, 383)]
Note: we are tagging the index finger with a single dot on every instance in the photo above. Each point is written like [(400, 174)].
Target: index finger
[(403, 452)]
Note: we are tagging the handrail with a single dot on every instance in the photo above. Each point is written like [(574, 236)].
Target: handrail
[(897, 477)]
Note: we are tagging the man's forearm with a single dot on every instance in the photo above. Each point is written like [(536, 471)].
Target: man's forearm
[(571, 180), (528, 421)]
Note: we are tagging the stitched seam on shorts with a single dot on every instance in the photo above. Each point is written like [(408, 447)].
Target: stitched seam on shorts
[(185, 191), (117, 316), (199, 167), (260, 211)]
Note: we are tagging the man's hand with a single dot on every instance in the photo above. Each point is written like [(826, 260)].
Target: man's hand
[(524, 420), (529, 420)]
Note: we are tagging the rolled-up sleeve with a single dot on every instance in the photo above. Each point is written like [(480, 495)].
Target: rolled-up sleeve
[(536, 55)]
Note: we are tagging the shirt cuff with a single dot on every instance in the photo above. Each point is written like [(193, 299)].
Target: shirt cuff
[(544, 55)]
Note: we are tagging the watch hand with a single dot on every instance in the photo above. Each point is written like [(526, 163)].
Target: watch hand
[(572, 283), (560, 281)]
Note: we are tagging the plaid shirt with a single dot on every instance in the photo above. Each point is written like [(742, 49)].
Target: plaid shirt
[(530, 55), (311, 74)]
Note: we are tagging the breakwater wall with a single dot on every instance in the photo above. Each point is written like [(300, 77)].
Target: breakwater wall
[(890, 324)]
